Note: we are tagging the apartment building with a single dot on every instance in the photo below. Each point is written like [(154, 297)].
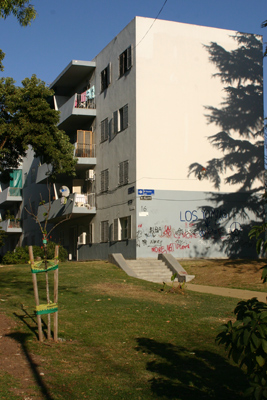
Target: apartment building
[(140, 116)]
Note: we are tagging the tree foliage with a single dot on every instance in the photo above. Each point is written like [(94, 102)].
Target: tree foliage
[(246, 342), (26, 119), (21, 9)]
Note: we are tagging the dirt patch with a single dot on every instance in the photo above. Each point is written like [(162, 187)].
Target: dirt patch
[(227, 273), (23, 367)]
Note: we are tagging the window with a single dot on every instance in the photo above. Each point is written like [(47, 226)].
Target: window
[(105, 78), (122, 228), (104, 228), (125, 61), (120, 119), (104, 130), (104, 180), (123, 173)]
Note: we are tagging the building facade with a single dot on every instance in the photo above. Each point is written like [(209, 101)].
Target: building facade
[(161, 151)]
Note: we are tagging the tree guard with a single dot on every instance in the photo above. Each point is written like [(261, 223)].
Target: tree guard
[(49, 308)]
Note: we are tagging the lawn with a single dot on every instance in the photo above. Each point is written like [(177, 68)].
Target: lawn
[(120, 338)]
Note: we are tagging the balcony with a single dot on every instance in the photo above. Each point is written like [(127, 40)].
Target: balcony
[(85, 154), (76, 205), (11, 226), (77, 111), (10, 194)]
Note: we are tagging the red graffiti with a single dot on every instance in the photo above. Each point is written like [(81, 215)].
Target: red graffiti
[(160, 249), (140, 226), (167, 231), (170, 248)]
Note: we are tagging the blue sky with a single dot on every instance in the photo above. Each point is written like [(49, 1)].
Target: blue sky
[(68, 29)]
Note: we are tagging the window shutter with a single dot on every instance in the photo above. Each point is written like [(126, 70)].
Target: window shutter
[(120, 173), (125, 117), (129, 57), (121, 65), (109, 74), (116, 229), (104, 130), (126, 171), (115, 122), (106, 179), (129, 227), (102, 180), (91, 233)]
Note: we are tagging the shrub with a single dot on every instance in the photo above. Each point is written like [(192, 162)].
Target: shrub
[(21, 254), (246, 340), (62, 256)]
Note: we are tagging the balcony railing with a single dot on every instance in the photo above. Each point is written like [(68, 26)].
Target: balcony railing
[(77, 204), (81, 101), (11, 225), (13, 191), (84, 150), (84, 200)]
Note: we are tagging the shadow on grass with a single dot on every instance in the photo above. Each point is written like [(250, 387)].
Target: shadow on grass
[(191, 374), (22, 339), (30, 321)]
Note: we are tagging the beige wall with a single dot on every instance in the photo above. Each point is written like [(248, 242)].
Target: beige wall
[(174, 82)]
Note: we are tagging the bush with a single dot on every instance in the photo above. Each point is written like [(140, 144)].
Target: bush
[(21, 254), (246, 340), (62, 256)]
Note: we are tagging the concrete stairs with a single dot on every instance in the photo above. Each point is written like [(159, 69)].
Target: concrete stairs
[(151, 270)]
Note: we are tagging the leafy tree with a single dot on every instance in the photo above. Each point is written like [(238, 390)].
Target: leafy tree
[(22, 10), (26, 119)]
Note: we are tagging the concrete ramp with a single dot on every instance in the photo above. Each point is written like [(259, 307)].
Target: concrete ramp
[(153, 270)]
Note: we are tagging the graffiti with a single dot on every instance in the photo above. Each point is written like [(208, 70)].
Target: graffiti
[(212, 233), (188, 216), (167, 231), (235, 228), (169, 248), (214, 214), (185, 234), (204, 227)]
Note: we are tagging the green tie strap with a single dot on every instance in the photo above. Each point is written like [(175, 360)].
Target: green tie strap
[(46, 308), (39, 266)]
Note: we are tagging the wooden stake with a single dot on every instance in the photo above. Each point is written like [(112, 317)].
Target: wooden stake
[(56, 295), (36, 296)]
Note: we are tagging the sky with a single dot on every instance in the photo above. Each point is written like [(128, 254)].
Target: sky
[(66, 30)]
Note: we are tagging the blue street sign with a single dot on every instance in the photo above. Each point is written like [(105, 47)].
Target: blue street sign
[(146, 192)]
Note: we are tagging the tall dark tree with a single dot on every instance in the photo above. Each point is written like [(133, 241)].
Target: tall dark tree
[(240, 137)]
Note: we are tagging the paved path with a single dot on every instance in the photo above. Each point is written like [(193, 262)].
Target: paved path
[(236, 293)]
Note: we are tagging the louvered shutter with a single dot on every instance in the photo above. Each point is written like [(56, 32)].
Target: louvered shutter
[(115, 122), (125, 117), (129, 57), (126, 171), (116, 229), (129, 227), (109, 74)]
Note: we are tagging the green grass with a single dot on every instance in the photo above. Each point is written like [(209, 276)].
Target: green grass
[(123, 338)]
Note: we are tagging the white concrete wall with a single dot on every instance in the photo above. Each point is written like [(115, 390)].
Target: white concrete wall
[(174, 82)]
